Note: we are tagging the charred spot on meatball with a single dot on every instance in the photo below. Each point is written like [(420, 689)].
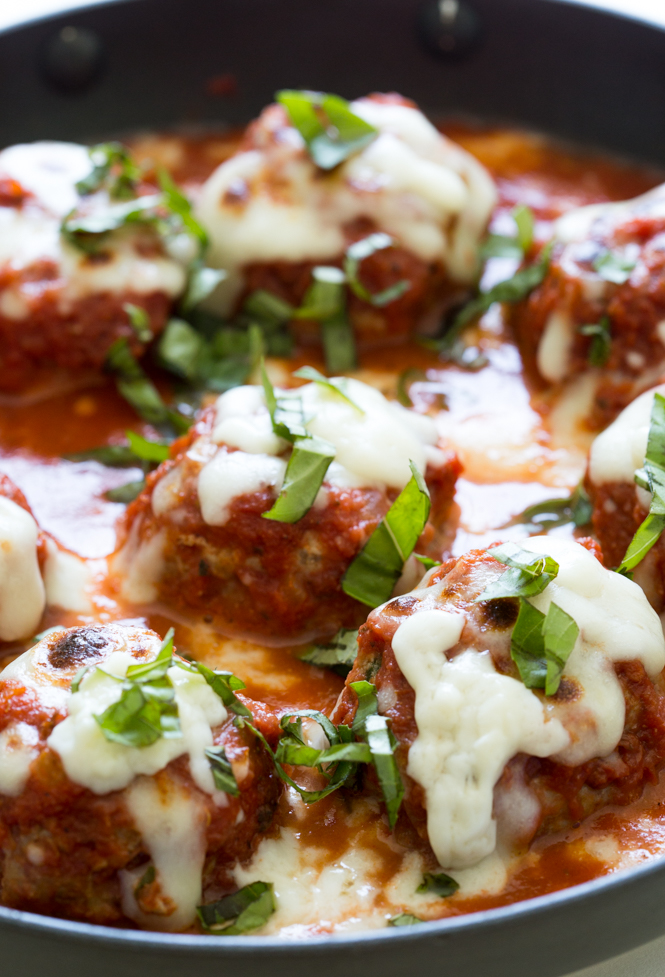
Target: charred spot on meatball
[(78, 647)]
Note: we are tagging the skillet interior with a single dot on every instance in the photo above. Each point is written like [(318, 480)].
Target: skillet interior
[(570, 71)]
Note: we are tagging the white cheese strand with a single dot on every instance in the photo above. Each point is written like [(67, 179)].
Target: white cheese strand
[(22, 596), (620, 450), (471, 721), (18, 748)]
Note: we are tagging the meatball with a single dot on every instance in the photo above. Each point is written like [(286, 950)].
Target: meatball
[(23, 554), (196, 537), (479, 752), (272, 216), (61, 306), (602, 302), (110, 822), (619, 504)]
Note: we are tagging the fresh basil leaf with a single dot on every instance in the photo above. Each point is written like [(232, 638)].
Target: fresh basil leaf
[(125, 493), (179, 205), (338, 389), (541, 645), (382, 745), (332, 132), (339, 344), (201, 282), (147, 878), (84, 231), (112, 169), (139, 391), (523, 217), (142, 715), (250, 907), (268, 308), (356, 254), (112, 455), (501, 246), (404, 919), (139, 320), (325, 297), (374, 572), (438, 884), (80, 674), (225, 685), (152, 451), (652, 527), (157, 668), (404, 381), (560, 632), (528, 574), (614, 266), (222, 771), (339, 655), (305, 471), (576, 508), (180, 348), (601, 341), (368, 704), (427, 562)]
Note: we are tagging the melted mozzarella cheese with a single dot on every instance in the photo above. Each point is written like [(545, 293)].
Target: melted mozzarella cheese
[(66, 579), (94, 762), (554, 347), (471, 721), (139, 565), (373, 444), (411, 181), (619, 451), (30, 233), (172, 823), (22, 597), (18, 748)]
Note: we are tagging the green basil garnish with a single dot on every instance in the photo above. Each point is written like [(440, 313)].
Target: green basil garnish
[(527, 575), (404, 919), (541, 645), (325, 300), (139, 320), (438, 884), (339, 655), (139, 391), (355, 254), (240, 912), (338, 389), (113, 169), (651, 529), (614, 266), (575, 508), (223, 684), (502, 246), (376, 569), (125, 493), (222, 771), (332, 132), (601, 341)]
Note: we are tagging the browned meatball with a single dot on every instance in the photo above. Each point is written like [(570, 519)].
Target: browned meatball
[(146, 851)]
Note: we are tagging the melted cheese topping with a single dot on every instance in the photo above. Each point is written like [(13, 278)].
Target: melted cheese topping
[(472, 720), (94, 762), (411, 181), (619, 451), (172, 824), (373, 445), (30, 233), (22, 597), (18, 748)]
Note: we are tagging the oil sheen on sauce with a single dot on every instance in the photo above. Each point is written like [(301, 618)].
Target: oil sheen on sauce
[(336, 867)]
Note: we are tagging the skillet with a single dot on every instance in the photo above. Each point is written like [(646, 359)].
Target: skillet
[(565, 69)]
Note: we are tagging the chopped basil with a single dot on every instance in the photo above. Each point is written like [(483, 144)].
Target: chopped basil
[(139, 320), (376, 569), (541, 645), (180, 348), (78, 678), (614, 266), (404, 381), (576, 508), (147, 878), (154, 452), (146, 709), (309, 373), (267, 308), (325, 300), (87, 231), (339, 655), (404, 919), (180, 207), (438, 884), (523, 217), (222, 771), (201, 282), (139, 453), (332, 132), (651, 529), (375, 731), (528, 573), (112, 169), (428, 563), (139, 391), (240, 912), (368, 703), (223, 684), (502, 246), (310, 460), (286, 412), (125, 493), (601, 341), (36, 638), (355, 254)]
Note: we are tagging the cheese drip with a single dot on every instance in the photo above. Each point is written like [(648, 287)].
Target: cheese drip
[(472, 720), (30, 233), (271, 204), (22, 596), (619, 451), (373, 444)]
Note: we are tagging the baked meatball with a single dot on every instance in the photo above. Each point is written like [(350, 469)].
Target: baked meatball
[(602, 302), (61, 306), (477, 749), (196, 537), (272, 215), (111, 822)]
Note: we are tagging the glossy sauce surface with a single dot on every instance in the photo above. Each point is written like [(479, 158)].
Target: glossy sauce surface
[(517, 446)]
